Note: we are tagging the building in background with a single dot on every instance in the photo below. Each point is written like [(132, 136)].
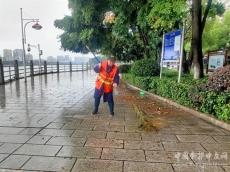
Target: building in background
[(83, 59), (51, 59), (60, 58), (7, 55), (18, 54), (66, 58), (29, 57)]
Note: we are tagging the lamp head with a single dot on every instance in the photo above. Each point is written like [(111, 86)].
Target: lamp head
[(37, 26)]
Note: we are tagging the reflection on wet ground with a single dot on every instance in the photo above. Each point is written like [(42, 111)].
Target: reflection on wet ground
[(46, 125)]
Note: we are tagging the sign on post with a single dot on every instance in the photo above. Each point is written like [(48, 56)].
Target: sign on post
[(172, 44), (172, 48), (216, 59)]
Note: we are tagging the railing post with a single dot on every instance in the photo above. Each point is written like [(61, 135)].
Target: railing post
[(82, 67), (2, 81), (70, 66), (57, 66), (45, 67), (16, 70), (31, 68)]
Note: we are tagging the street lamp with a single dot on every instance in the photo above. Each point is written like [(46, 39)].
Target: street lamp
[(37, 27), (39, 53)]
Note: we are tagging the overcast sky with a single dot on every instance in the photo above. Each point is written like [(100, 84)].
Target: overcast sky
[(46, 11)]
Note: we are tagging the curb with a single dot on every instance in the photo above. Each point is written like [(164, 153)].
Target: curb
[(203, 116)]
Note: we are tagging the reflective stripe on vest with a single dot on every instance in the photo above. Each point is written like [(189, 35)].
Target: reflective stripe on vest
[(106, 78), (109, 83)]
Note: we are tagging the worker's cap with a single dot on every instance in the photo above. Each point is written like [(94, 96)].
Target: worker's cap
[(111, 57)]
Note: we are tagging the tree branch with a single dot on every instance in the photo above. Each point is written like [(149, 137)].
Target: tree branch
[(205, 15)]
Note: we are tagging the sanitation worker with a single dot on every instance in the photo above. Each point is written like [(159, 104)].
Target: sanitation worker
[(108, 77)]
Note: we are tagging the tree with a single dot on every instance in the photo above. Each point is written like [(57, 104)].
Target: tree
[(85, 25), (216, 33), (197, 39), (209, 10)]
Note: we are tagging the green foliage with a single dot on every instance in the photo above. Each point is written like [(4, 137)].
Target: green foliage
[(124, 68), (83, 26), (215, 35), (145, 67), (166, 13), (189, 92)]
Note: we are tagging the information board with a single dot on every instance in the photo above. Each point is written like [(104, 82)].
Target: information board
[(172, 43), (216, 61)]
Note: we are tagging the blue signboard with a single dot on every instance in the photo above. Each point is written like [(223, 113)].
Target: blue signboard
[(172, 46)]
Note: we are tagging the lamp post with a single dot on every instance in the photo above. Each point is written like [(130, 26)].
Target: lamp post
[(39, 53), (37, 27)]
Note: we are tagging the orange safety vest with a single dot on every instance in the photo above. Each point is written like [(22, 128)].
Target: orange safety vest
[(104, 78)]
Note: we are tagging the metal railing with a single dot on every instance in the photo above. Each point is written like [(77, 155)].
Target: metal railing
[(14, 72)]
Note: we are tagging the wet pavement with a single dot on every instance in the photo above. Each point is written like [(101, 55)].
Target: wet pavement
[(46, 125)]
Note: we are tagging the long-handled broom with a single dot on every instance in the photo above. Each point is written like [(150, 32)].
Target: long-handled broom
[(87, 46)]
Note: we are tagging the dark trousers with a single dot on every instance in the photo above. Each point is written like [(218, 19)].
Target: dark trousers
[(97, 103)]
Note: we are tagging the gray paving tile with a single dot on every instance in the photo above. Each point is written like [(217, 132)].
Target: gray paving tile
[(146, 167), (145, 145), (207, 131), (123, 154), (133, 129), (170, 146), (55, 125), (70, 126), (114, 128), (30, 131), (67, 120), (120, 135), (226, 168), (173, 131), (42, 150), (95, 122), (55, 132), (89, 165), (80, 152), (3, 156), (105, 143), (14, 138), (89, 134), (159, 137), (49, 164), (196, 138), (124, 123), (68, 141), (39, 140), (10, 130), (212, 158), (14, 161), (224, 147), (165, 156), (195, 168), (9, 148), (222, 139)]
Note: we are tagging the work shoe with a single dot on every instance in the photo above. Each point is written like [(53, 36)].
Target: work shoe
[(94, 112), (111, 113)]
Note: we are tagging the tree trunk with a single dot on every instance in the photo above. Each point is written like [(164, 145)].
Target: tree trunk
[(188, 63), (145, 41), (197, 40)]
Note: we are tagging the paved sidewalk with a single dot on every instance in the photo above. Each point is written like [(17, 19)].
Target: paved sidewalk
[(46, 125)]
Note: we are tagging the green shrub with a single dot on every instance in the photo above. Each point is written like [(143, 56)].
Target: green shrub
[(145, 68), (202, 94), (142, 82), (124, 68), (220, 79), (128, 78)]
